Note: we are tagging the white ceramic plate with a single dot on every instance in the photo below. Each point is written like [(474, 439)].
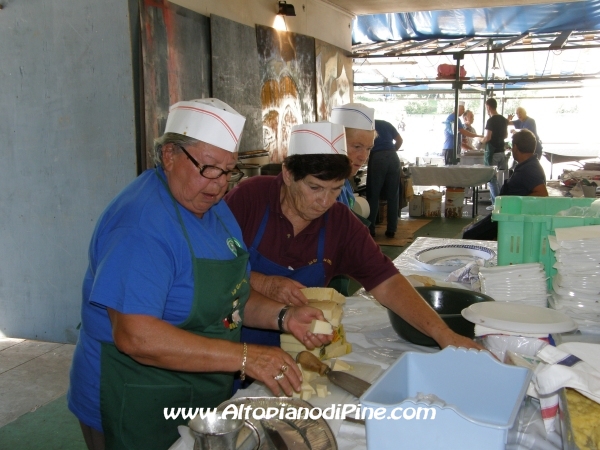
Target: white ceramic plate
[(518, 318), (448, 258)]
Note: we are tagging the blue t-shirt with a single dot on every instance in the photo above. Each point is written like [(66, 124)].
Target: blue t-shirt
[(449, 131), (529, 124), (347, 195), (140, 263), (386, 134)]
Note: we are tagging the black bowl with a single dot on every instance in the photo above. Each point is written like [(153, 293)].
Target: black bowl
[(448, 303)]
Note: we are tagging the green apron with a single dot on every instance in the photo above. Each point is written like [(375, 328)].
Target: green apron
[(133, 396), (488, 154)]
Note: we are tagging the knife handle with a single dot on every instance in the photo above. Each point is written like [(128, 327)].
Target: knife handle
[(310, 362)]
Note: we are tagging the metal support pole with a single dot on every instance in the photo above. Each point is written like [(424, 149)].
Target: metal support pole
[(457, 85)]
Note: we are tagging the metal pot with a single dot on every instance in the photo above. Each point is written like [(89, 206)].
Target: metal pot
[(249, 170)]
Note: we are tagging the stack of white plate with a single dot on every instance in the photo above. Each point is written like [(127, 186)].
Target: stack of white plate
[(518, 283), (577, 283)]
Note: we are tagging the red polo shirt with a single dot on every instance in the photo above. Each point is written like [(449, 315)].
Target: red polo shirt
[(349, 248)]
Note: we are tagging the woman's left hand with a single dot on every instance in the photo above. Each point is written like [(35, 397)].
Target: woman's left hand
[(297, 322)]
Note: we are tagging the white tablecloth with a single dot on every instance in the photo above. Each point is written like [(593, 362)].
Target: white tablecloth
[(455, 176)]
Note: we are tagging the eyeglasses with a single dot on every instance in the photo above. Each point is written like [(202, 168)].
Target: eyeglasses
[(213, 172)]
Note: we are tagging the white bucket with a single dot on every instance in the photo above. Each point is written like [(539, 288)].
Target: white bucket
[(415, 206), (432, 203), (455, 198)]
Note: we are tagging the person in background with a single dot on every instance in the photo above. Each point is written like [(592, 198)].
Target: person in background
[(383, 176), (528, 179), (526, 123), (496, 130), (295, 228), (448, 150), (467, 142), (167, 290), (359, 124)]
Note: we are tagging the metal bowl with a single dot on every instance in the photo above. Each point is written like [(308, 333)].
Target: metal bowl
[(448, 303)]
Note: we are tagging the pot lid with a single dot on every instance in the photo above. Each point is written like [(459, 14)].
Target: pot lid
[(508, 316)]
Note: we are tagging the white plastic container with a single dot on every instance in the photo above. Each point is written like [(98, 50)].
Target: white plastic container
[(415, 206), (432, 203), (475, 399)]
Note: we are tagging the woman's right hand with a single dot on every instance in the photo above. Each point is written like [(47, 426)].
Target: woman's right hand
[(264, 363), (284, 290)]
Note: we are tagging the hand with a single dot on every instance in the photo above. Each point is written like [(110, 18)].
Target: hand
[(264, 363), (297, 322), (284, 290), (510, 116), (452, 338)]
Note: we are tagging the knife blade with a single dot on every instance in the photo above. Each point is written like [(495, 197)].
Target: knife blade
[(350, 383), (276, 438)]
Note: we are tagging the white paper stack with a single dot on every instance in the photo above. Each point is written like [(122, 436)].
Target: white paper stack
[(518, 283), (577, 282)]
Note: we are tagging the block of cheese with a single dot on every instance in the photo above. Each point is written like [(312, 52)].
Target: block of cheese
[(341, 365), (292, 347), (327, 307), (308, 376), (339, 351), (305, 386), (338, 345), (320, 327), (336, 317), (290, 339), (305, 395), (322, 390), (324, 294)]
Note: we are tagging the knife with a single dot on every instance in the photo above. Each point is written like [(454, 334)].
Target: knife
[(348, 382), (275, 437)]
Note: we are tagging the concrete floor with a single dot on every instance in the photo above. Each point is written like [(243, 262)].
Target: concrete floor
[(32, 374)]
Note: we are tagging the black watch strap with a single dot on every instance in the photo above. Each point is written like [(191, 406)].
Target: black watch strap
[(281, 317)]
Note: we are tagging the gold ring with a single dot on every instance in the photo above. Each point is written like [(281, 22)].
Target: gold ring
[(284, 368), (279, 376)]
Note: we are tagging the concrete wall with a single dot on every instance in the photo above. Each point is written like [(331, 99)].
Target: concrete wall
[(313, 17), (68, 146), (70, 126)]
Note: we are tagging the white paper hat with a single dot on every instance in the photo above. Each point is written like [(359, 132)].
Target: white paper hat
[(209, 120), (317, 138), (354, 115), (461, 103)]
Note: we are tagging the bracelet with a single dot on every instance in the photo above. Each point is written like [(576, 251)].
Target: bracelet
[(244, 357), (281, 317)]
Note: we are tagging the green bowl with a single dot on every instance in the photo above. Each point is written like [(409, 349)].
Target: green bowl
[(448, 303)]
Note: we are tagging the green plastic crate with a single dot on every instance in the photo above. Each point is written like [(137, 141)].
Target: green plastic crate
[(524, 224)]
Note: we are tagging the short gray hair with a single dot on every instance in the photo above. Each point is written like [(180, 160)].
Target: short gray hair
[(170, 138)]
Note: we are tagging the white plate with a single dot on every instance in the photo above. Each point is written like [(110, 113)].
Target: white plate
[(448, 258), (518, 318)]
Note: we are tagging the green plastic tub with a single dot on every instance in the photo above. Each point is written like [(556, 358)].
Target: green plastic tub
[(524, 224)]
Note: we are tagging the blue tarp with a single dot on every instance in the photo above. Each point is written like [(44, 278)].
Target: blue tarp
[(478, 22)]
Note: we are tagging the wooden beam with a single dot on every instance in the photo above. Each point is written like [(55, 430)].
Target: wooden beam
[(560, 40), (414, 47), (448, 47), (513, 41)]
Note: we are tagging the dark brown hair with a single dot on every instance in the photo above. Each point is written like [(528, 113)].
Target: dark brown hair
[(322, 166)]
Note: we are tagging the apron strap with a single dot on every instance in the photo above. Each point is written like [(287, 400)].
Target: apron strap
[(321, 247), (261, 229)]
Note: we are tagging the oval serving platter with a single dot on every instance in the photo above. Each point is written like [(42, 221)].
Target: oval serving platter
[(448, 258)]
